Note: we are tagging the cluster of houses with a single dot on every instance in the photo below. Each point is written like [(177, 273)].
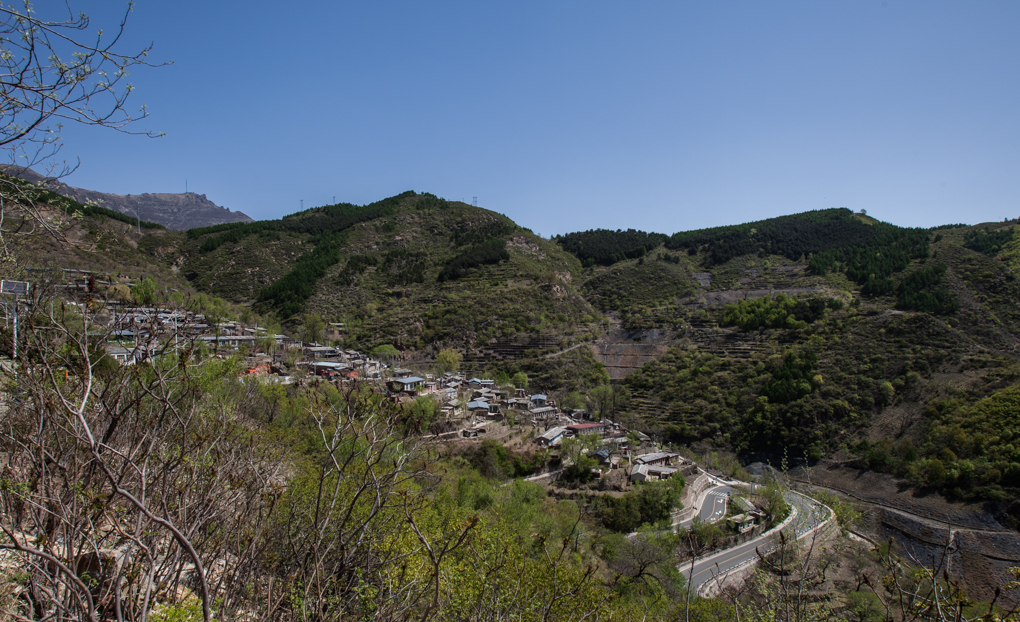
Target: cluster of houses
[(616, 446), (134, 334), (476, 400), (335, 363)]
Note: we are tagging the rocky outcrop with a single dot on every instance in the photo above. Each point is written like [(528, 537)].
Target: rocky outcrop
[(179, 211)]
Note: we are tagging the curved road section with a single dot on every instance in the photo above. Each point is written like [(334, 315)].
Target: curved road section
[(806, 515), (714, 506)]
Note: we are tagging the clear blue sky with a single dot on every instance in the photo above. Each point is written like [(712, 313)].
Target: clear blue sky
[(566, 116)]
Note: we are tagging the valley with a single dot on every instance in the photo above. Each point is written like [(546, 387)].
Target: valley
[(586, 388)]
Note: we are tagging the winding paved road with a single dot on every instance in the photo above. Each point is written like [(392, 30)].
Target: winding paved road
[(714, 507), (806, 515)]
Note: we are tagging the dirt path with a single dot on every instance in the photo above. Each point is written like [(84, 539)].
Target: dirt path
[(573, 347)]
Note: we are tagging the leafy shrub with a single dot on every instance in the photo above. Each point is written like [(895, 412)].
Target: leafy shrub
[(356, 265), (404, 267), (288, 294), (870, 264), (648, 504), (792, 380)]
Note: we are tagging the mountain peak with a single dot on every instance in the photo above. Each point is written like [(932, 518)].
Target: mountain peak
[(180, 211)]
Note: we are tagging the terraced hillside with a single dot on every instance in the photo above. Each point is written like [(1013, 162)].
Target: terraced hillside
[(883, 353)]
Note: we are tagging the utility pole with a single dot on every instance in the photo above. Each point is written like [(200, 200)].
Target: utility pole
[(15, 288)]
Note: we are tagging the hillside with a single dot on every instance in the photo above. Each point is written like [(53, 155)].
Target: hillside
[(811, 335), (178, 211), (827, 334), (76, 237), (826, 338), (415, 271)]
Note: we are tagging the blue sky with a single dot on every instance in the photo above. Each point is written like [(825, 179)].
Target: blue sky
[(566, 116)]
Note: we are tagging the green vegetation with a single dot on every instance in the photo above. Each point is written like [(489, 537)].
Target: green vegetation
[(780, 312), (487, 253), (494, 461), (792, 381), (287, 295), (871, 264), (448, 360), (604, 247), (919, 291), (414, 271), (988, 241), (355, 267), (649, 504), (968, 449), (654, 279), (793, 237)]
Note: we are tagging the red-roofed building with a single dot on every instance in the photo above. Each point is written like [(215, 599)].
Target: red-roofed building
[(579, 429)]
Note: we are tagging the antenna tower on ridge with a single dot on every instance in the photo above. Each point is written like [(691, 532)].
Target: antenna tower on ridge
[(474, 201)]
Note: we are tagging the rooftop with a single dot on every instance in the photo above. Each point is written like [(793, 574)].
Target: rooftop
[(410, 380)]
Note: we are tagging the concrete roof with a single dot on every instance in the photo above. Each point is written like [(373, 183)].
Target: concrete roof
[(411, 380)]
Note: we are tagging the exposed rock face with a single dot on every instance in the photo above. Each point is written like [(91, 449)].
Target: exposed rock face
[(175, 211), (623, 351)]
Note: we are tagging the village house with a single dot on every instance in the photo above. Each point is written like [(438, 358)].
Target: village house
[(552, 436), (646, 472), (232, 341), (604, 456), (412, 384), (546, 413), (539, 400), (745, 522), (120, 354), (658, 458), (582, 429), (321, 352), (516, 403), (478, 408), (327, 369), (450, 409)]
